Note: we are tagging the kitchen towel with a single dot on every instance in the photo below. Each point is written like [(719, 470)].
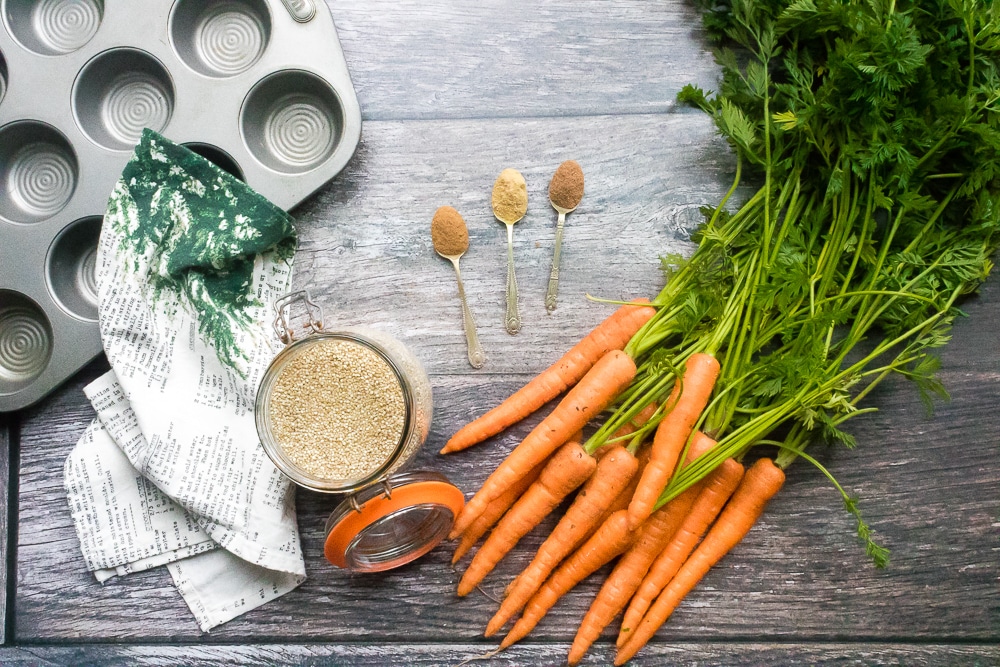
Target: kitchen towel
[(171, 471)]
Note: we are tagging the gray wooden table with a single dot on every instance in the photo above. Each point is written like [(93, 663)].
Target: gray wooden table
[(452, 92)]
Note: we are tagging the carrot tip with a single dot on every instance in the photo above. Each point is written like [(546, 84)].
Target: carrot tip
[(493, 627), (624, 654)]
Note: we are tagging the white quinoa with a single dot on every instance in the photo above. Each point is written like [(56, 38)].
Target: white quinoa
[(337, 410)]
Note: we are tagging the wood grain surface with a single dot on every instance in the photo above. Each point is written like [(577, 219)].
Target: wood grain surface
[(750, 654), (452, 93)]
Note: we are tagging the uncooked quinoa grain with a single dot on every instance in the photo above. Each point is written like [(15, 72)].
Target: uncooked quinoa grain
[(337, 410)]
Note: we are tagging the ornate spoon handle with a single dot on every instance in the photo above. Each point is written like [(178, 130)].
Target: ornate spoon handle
[(513, 319), (550, 294), (476, 355)]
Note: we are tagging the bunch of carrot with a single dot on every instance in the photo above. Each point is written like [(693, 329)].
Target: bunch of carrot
[(618, 511), (874, 215)]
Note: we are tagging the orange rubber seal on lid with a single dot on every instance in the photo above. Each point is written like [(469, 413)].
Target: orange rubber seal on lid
[(416, 493)]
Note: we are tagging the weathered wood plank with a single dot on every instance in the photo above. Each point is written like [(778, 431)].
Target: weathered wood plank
[(521, 58), (732, 654), (8, 434)]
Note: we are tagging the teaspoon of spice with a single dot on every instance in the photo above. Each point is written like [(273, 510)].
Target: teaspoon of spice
[(510, 203), (565, 193), (451, 239)]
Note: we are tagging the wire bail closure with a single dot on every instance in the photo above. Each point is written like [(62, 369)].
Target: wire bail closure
[(282, 320), (386, 485)]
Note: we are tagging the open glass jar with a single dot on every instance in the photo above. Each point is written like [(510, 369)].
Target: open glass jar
[(345, 411)]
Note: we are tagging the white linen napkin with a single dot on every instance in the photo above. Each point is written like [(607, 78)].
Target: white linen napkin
[(171, 472)]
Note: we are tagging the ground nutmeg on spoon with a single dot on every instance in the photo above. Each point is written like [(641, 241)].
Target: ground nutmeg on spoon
[(565, 193)]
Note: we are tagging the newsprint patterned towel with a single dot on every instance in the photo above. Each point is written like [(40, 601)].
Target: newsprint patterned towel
[(171, 471)]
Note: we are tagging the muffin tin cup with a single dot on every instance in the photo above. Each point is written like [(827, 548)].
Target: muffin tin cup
[(255, 86), (25, 342), (220, 38), (53, 27), (38, 171)]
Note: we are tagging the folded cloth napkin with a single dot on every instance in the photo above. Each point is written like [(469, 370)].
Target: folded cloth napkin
[(171, 471)]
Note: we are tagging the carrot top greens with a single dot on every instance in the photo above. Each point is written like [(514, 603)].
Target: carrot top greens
[(867, 143)]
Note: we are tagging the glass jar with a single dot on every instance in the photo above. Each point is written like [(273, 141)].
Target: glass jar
[(390, 517)]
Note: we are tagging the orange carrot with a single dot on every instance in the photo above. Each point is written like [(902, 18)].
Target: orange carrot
[(495, 510), (625, 495), (611, 334), (653, 536), (611, 539), (695, 386), (569, 468), (589, 397), (718, 486), (613, 473), (761, 482)]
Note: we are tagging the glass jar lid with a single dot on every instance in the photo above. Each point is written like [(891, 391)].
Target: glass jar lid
[(392, 523)]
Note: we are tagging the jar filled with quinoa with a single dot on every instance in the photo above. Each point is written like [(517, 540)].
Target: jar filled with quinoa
[(338, 410), (344, 411)]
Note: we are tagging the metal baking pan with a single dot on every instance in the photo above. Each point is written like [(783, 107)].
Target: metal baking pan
[(260, 87)]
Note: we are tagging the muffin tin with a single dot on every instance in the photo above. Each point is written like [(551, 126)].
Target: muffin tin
[(260, 87)]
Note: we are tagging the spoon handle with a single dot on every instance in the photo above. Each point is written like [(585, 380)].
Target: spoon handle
[(550, 294), (476, 355), (513, 319)]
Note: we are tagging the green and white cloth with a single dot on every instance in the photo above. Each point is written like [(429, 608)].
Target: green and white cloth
[(171, 472)]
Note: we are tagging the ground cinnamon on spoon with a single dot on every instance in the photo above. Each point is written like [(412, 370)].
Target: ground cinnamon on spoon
[(448, 232), (566, 187)]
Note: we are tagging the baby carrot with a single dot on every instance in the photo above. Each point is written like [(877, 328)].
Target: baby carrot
[(611, 334), (717, 488), (611, 539), (568, 469), (761, 482), (653, 535), (695, 386), (495, 510), (614, 471), (589, 397)]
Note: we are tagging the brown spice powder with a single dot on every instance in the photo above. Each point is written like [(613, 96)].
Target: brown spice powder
[(448, 232), (337, 410), (510, 196), (566, 187)]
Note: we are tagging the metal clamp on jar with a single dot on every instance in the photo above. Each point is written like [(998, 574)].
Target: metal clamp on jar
[(344, 411)]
